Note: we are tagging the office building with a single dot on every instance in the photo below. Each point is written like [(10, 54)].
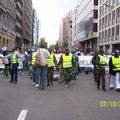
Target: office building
[(35, 28), (27, 23), (19, 23), (109, 25), (7, 23), (87, 24)]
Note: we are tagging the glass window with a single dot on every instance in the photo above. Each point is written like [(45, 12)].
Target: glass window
[(100, 24), (118, 2), (95, 2), (106, 34), (118, 15), (109, 33), (117, 30), (109, 19), (106, 21), (103, 22), (113, 17), (102, 35), (95, 14), (113, 31)]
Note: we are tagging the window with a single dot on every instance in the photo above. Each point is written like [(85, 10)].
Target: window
[(106, 34), (105, 21), (95, 14), (109, 19), (113, 31), (102, 35), (118, 2), (118, 15), (109, 33), (95, 2), (94, 27), (100, 24), (113, 17), (117, 30)]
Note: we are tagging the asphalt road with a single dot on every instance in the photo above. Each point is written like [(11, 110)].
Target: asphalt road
[(79, 102)]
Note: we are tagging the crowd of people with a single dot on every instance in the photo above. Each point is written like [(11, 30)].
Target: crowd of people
[(42, 65)]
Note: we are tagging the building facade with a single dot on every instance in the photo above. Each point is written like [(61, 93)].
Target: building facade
[(109, 25), (60, 41), (19, 23), (27, 23), (7, 23), (67, 31), (87, 24), (35, 28), (74, 28)]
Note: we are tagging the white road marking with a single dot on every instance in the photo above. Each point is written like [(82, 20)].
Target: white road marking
[(22, 115)]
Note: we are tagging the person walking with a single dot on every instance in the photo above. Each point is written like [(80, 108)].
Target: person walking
[(112, 74), (33, 70), (50, 68), (67, 63), (101, 64), (75, 66), (115, 63), (42, 54), (94, 64), (14, 65)]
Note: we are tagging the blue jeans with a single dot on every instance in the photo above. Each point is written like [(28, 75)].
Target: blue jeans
[(37, 75), (34, 74), (42, 77)]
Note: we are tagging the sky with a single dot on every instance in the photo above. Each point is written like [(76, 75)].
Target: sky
[(50, 13)]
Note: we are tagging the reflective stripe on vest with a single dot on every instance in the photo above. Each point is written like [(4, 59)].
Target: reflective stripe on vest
[(13, 58), (67, 61), (33, 58), (116, 63), (50, 61), (102, 61)]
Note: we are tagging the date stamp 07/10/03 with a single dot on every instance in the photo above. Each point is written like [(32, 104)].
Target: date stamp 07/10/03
[(112, 104)]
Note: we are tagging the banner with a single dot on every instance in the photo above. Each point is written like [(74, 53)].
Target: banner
[(85, 61)]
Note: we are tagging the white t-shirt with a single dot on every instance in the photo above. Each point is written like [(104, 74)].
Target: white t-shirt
[(44, 54)]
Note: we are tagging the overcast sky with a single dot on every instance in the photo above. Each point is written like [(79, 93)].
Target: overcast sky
[(50, 13)]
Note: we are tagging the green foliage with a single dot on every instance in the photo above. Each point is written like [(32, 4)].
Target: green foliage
[(52, 47), (43, 43)]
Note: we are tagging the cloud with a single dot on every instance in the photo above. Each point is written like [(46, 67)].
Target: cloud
[(50, 13)]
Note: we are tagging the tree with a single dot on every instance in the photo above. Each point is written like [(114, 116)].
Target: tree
[(43, 42), (56, 46), (52, 47)]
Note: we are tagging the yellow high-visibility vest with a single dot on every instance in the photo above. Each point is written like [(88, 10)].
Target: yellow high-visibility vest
[(33, 58), (102, 61), (14, 58), (50, 61), (116, 63), (67, 61)]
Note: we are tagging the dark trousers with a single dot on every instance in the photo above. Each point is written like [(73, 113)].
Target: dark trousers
[(14, 72), (101, 77), (7, 67), (95, 73), (50, 72)]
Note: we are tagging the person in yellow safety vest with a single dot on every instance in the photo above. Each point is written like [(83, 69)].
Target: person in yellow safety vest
[(14, 65), (101, 64), (33, 58), (50, 68), (115, 63), (112, 73), (67, 62)]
